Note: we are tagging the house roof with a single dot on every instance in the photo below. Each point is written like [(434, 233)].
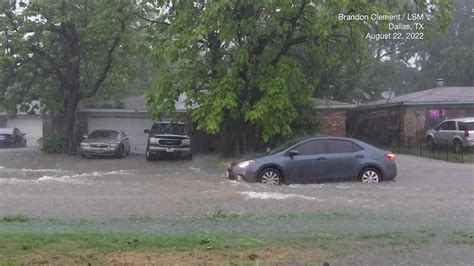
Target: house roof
[(438, 95), (135, 104), (138, 103), (320, 103)]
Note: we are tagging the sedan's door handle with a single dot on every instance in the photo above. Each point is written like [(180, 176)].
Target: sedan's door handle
[(322, 159), (359, 156)]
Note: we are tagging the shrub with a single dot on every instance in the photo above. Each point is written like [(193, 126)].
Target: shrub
[(51, 144)]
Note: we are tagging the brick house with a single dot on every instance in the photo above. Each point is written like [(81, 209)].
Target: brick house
[(331, 116), (404, 119)]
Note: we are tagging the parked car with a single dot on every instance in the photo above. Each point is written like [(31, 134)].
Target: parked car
[(12, 137), (105, 142), (456, 133), (168, 139), (317, 159)]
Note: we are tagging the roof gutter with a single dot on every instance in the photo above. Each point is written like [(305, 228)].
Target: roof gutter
[(463, 103)]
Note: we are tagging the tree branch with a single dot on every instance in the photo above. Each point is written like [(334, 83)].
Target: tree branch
[(45, 56), (152, 22), (108, 64)]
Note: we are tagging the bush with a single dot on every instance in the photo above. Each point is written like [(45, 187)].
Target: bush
[(51, 144)]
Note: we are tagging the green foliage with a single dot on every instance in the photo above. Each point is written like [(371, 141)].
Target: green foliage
[(61, 52), (15, 218), (389, 64), (52, 143), (251, 67)]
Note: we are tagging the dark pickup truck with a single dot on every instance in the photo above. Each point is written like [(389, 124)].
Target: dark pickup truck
[(167, 139)]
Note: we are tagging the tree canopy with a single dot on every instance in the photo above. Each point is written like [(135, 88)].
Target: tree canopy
[(60, 52), (247, 67)]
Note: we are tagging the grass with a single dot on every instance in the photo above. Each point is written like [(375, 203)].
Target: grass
[(399, 238), (462, 237), (216, 248), (135, 218), (15, 218), (222, 215), (221, 248)]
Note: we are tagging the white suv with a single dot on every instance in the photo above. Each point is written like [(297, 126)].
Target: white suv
[(457, 133)]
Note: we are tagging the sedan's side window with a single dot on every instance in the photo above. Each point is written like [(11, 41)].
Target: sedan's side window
[(311, 147), (342, 146)]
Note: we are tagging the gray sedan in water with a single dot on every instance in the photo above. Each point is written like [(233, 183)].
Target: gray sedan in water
[(317, 159), (105, 142)]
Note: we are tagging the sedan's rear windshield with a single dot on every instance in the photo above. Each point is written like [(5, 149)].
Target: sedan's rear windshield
[(169, 128), (103, 134)]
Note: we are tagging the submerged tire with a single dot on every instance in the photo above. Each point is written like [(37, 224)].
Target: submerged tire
[(370, 175), (270, 176)]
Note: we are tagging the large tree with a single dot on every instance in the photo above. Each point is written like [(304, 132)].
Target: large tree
[(233, 60), (60, 52), (247, 68), (449, 56)]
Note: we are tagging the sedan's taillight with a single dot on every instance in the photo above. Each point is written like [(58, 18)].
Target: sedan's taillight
[(390, 156), (466, 133)]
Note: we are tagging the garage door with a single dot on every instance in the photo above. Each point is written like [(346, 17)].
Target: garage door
[(133, 127), (32, 126)]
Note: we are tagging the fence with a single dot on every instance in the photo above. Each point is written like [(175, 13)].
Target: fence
[(440, 151)]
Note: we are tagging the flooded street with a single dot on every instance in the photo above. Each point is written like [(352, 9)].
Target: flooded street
[(132, 195), (57, 186)]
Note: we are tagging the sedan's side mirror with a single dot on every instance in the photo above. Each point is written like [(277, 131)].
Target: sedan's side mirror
[(293, 152), (147, 131), (125, 138)]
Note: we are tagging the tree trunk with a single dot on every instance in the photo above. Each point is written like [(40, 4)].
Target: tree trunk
[(68, 123), (236, 138)]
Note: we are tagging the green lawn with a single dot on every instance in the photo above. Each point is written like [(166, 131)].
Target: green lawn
[(224, 249)]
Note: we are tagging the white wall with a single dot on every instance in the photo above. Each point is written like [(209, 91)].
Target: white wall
[(32, 126)]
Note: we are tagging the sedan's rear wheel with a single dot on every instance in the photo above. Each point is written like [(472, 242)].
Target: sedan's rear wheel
[(270, 176), (370, 175)]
